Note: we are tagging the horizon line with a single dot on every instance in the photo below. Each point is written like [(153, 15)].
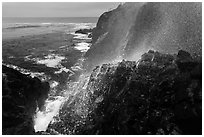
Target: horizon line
[(53, 17)]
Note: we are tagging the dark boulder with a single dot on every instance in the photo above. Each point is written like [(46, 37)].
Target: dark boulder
[(185, 61), (184, 56), (90, 36), (84, 31)]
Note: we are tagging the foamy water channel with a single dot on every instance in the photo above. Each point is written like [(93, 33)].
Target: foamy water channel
[(52, 106)]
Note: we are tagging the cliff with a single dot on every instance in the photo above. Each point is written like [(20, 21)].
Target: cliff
[(21, 95), (133, 28), (159, 94)]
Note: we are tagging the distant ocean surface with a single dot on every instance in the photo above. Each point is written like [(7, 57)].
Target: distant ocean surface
[(14, 27)]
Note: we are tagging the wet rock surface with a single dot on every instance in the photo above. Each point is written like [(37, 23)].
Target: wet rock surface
[(21, 95), (159, 94), (84, 31)]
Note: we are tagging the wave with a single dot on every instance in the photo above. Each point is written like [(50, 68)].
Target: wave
[(75, 26), (40, 75), (27, 26)]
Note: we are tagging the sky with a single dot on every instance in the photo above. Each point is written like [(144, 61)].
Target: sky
[(56, 9)]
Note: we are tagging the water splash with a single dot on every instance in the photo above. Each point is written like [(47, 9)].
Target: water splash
[(43, 118), (54, 104), (83, 46), (72, 101)]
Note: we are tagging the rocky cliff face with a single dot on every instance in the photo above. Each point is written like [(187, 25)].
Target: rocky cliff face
[(133, 28), (21, 95), (159, 94)]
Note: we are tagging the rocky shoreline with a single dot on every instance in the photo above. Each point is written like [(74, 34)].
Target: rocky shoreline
[(159, 94), (139, 72), (21, 96), (43, 56)]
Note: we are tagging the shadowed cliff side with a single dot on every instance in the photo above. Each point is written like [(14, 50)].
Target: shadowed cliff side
[(110, 34), (133, 28), (159, 94), (21, 95)]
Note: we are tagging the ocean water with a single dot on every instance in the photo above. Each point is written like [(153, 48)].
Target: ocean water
[(14, 27), (49, 19), (20, 27)]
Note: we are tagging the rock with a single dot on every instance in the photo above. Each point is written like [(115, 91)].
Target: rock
[(84, 31), (90, 35), (185, 61), (197, 72), (73, 45), (153, 98), (21, 95), (184, 56)]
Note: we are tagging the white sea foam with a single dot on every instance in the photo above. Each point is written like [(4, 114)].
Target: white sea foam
[(63, 69), (51, 60), (84, 25), (76, 68), (11, 57), (40, 75), (83, 46), (53, 84), (46, 23), (79, 65), (61, 47), (80, 36), (27, 58), (43, 118), (51, 50), (54, 61)]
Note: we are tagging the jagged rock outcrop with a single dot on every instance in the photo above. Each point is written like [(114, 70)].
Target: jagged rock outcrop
[(133, 28), (84, 31), (159, 94), (21, 95)]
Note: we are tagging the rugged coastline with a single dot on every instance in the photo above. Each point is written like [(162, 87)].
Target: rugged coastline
[(133, 74), (134, 28), (55, 58), (21, 96), (159, 94)]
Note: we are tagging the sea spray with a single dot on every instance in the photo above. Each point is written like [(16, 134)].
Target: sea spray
[(74, 109), (43, 118), (82, 98), (73, 98), (71, 108)]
